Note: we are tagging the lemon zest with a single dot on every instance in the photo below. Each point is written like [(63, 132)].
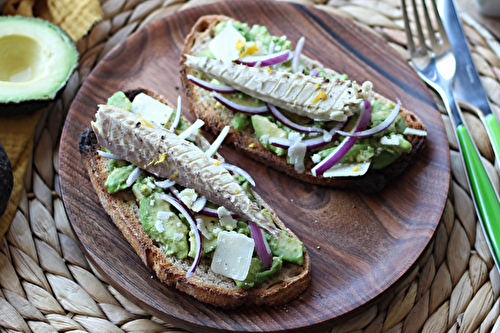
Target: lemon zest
[(161, 158), (175, 175), (236, 192), (356, 168), (252, 145), (152, 161), (321, 95), (143, 122), (252, 49), (240, 44), (217, 162)]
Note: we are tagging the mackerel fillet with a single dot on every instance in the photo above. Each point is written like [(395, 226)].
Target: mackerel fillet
[(165, 155), (318, 98)]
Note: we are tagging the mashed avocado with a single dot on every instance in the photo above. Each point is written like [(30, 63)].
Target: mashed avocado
[(163, 225)]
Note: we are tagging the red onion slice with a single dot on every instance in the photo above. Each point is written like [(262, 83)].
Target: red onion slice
[(288, 123), (199, 204), (238, 107), (177, 118), (266, 60), (134, 175), (377, 129), (239, 171), (217, 142), (271, 47), (192, 222), (213, 213), (280, 142), (192, 129), (165, 183), (310, 143), (110, 155), (210, 86), (314, 72), (347, 143), (261, 245), (296, 54)]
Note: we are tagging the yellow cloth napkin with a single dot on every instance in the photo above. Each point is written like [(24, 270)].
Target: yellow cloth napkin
[(16, 136), (16, 133), (74, 17)]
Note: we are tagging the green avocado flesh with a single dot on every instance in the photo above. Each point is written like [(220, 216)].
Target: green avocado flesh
[(36, 61)]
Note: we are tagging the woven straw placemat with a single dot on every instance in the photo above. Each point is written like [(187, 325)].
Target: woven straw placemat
[(47, 284)]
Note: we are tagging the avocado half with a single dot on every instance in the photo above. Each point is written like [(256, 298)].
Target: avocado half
[(36, 60), (6, 180)]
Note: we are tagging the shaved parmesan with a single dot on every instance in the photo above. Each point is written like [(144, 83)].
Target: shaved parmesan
[(233, 255), (393, 140), (347, 170), (413, 131), (226, 220), (164, 215), (151, 110), (188, 196), (226, 46), (159, 226), (200, 224), (297, 151)]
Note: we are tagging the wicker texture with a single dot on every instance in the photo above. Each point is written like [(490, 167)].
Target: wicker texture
[(47, 284)]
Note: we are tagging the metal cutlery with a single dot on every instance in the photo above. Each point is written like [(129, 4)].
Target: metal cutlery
[(467, 86), (437, 67)]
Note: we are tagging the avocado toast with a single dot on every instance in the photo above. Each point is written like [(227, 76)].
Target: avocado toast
[(174, 237), (299, 137)]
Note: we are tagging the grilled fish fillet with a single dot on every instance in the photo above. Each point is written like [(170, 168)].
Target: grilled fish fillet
[(314, 97), (163, 154)]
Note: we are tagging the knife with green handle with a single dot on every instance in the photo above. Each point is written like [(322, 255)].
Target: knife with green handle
[(484, 195), (467, 86), (486, 198)]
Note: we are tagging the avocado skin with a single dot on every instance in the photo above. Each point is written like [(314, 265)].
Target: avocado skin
[(6, 180), (22, 108)]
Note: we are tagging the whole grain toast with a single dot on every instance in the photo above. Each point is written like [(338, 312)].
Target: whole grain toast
[(205, 285), (216, 117)]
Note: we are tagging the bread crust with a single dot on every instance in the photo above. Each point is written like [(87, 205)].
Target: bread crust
[(217, 117), (204, 285)]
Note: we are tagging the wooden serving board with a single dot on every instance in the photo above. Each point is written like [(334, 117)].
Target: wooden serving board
[(360, 244)]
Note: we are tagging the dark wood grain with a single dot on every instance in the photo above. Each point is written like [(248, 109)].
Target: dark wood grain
[(360, 244)]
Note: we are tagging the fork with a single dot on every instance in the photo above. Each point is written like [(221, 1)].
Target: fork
[(437, 66)]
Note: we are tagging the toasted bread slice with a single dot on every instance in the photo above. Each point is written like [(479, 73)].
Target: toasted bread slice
[(204, 285), (216, 117)]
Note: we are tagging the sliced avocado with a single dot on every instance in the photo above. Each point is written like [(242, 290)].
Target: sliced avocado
[(118, 177), (263, 126), (120, 100), (290, 249), (36, 61), (6, 180)]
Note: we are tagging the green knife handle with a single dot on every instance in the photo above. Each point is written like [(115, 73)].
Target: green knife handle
[(493, 130), (486, 198)]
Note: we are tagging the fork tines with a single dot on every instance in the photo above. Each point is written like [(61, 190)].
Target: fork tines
[(435, 43)]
